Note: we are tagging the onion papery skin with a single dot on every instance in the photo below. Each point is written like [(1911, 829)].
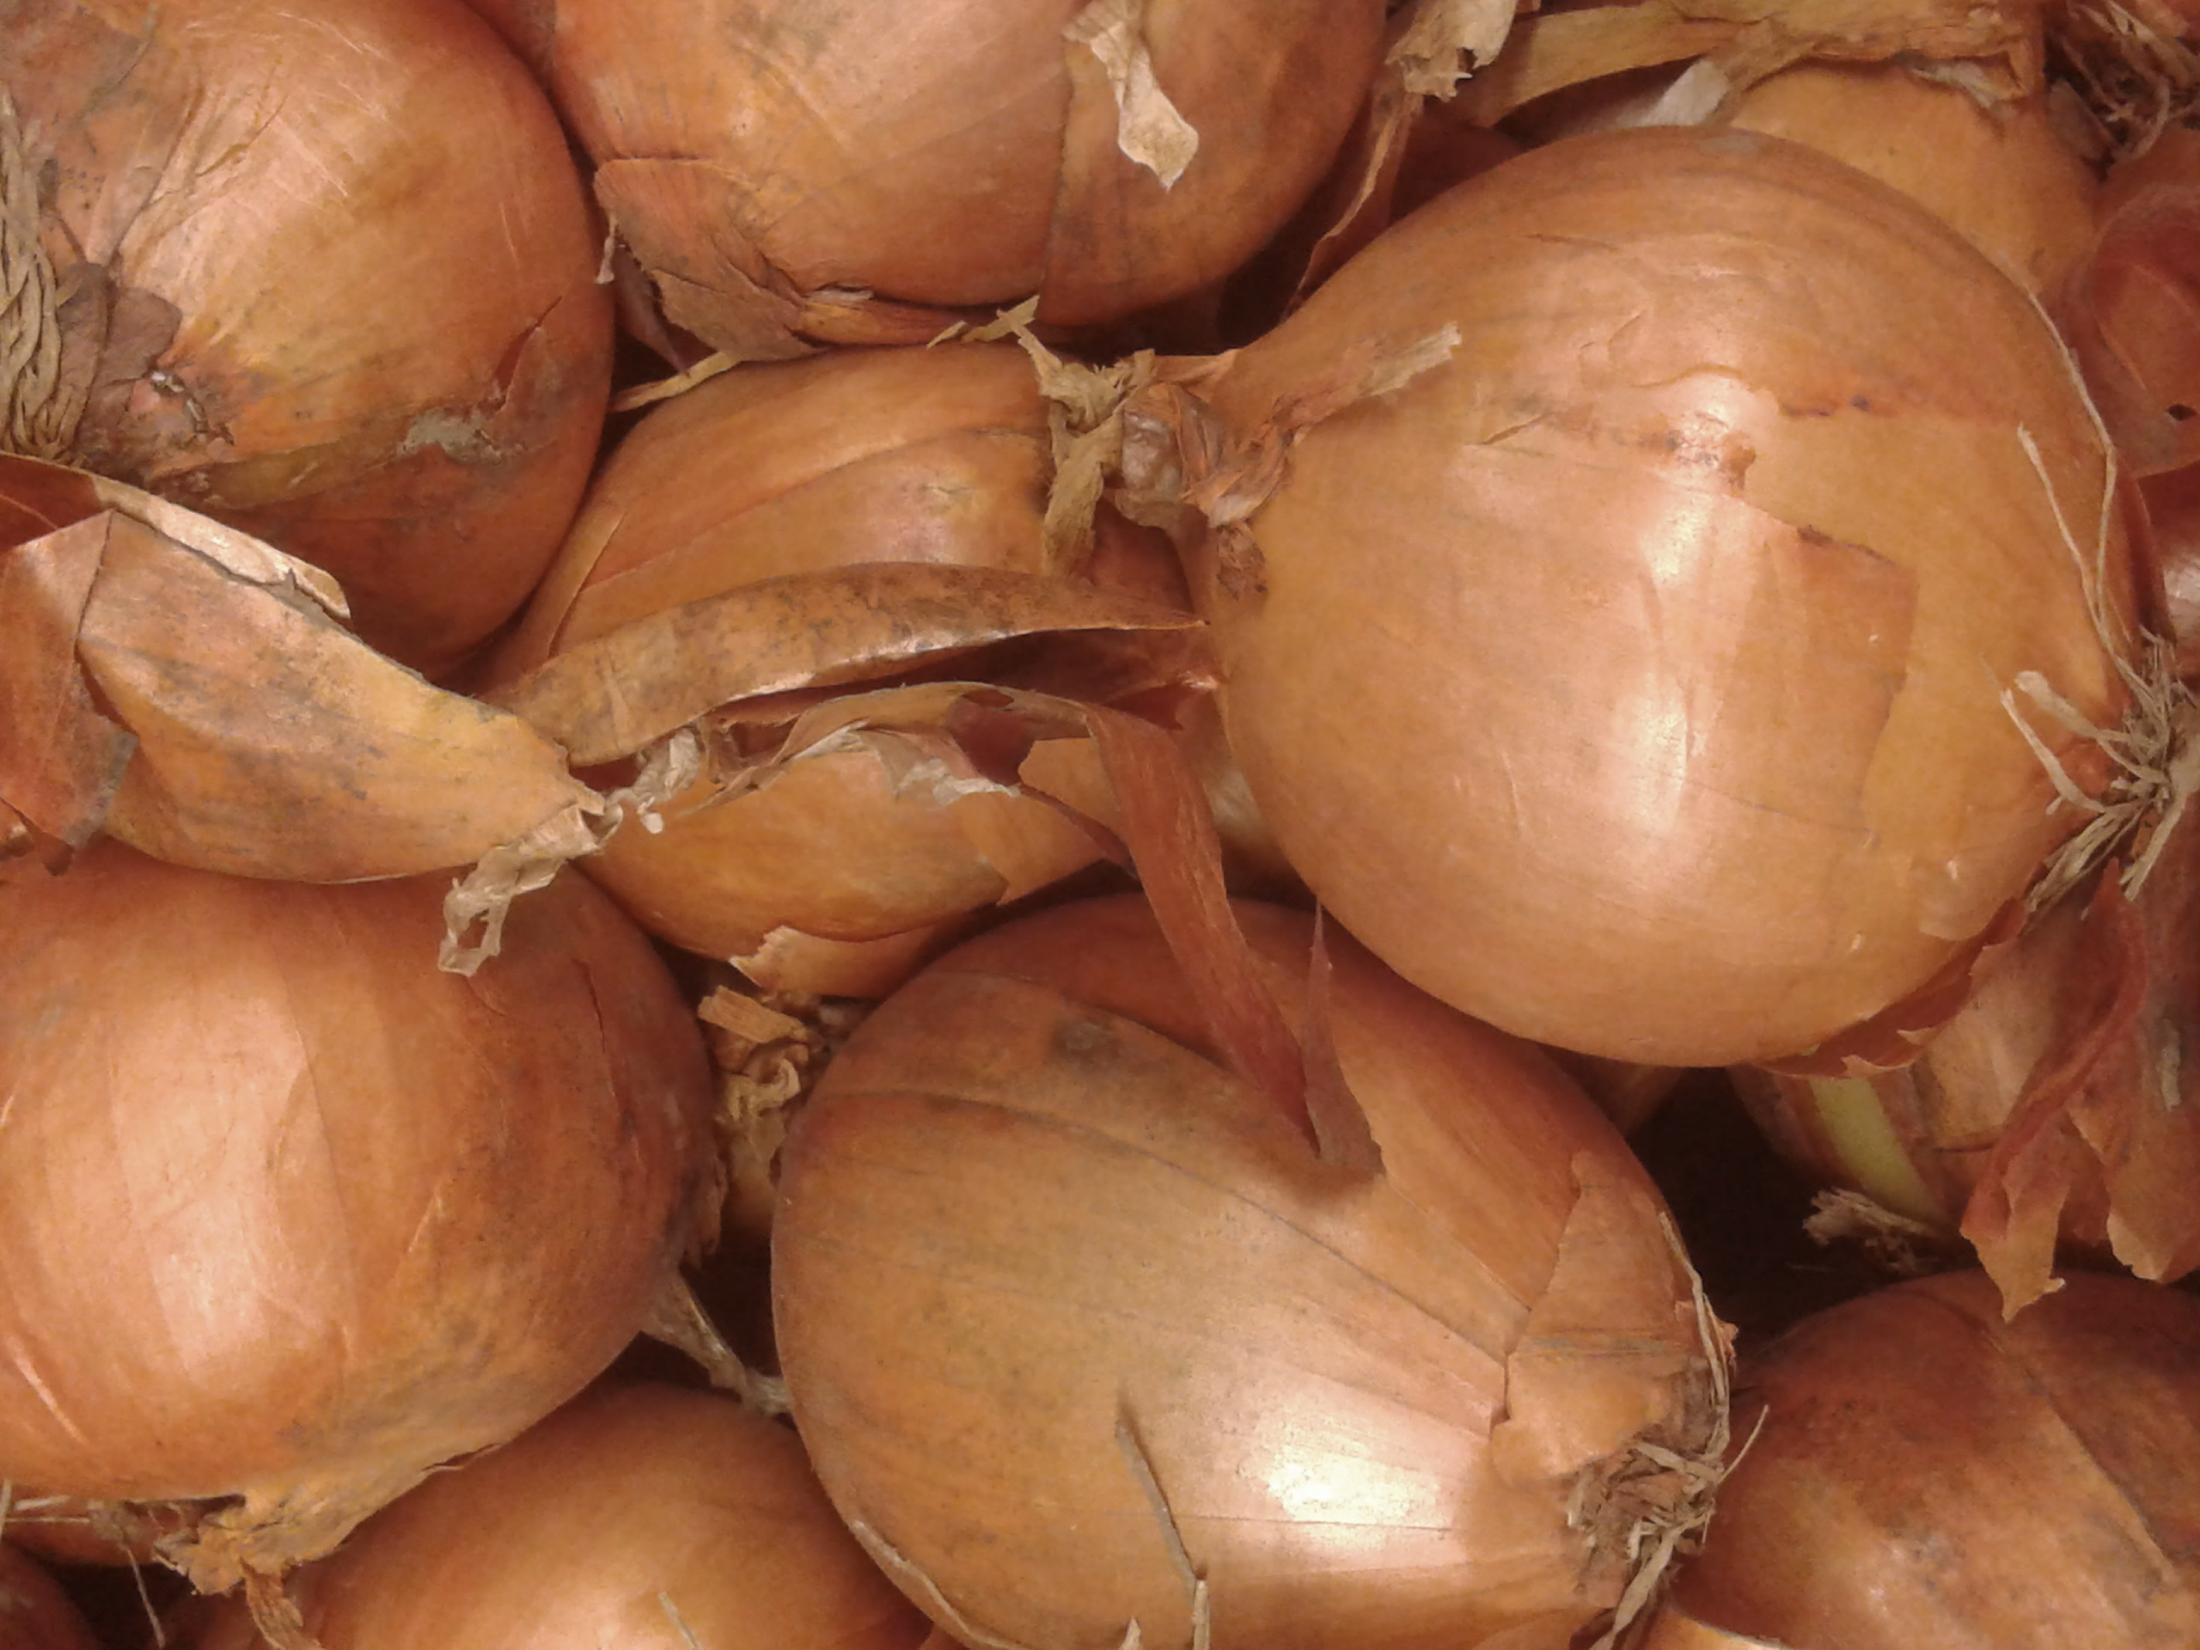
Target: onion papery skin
[(350, 272), (1928, 1475), (288, 1214), (1632, 678), (1028, 1174), (829, 879), (34, 1612), (960, 154), (2173, 506), (627, 1516)]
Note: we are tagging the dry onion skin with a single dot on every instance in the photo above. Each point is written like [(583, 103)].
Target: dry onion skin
[(1318, 1406), (646, 1518), (34, 1612), (399, 375), (1927, 1475), (1632, 673), (838, 876), (882, 161), (288, 1217)]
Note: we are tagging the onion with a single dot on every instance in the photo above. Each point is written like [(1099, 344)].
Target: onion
[(1927, 1475), (838, 876), (288, 1217), (2173, 505), (885, 160), (1650, 704), (643, 1518), (35, 1614), (1120, 1289), (326, 274)]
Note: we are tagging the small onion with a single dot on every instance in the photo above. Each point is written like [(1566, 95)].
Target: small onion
[(288, 1216), (762, 161), (1077, 1328), (35, 1614), (1633, 675), (326, 274), (1927, 1475), (834, 878), (645, 1518)]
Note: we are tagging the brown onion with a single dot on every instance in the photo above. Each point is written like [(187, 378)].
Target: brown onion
[(1927, 1475), (836, 877), (2173, 506), (326, 274), (647, 1518), (1143, 1344), (880, 156), (35, 1614), (288, 1217), (1633, 675)]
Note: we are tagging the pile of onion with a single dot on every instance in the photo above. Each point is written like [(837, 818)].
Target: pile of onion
[(648, 1518), (1038, 1248), (843, 174), (1928, 1475), (34, 1612), (288, 1217), (325, 274), (769, 481), (1618, 570)]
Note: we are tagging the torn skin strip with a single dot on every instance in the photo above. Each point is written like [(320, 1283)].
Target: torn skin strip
[(61, 759), (1149, 129)]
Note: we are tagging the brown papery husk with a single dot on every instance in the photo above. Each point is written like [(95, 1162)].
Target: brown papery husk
[(146, 644), (2130, 70), (645, 1517), (1927, 1475), (2135, 318), (2058, 1106), (841, 873), (65, 1529), (1320, 1405), (357, 1217), (401, 375), (35, 1614), (2173, 505), (1772, 513), (893, 165)]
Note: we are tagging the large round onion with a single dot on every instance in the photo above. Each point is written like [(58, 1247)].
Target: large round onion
[(1633, 676), (325, 273), (1928, 1475), (1072, 1318), (288, 1216), (647, 1518), (35, 1614), (833, 878), (761, 161)]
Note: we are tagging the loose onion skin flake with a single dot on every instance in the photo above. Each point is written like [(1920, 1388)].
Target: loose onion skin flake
[(34, 1612), (1347, 1407), (1632, 673), (326, 274), (648, 1518), (842, 171), (1928, 1475), (288, 1216)]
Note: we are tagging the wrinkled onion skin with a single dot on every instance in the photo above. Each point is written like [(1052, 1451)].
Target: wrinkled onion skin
[(34, 1612), (1028, 1176), (1632, 679), (1928, 1475), (955, 153), (281, 1202), (363, 227), (574, 1538)]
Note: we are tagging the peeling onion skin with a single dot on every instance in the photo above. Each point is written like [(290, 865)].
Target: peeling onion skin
[(34, 1612), (357, 312), (287, 1213), (1027, 1174), (1928, 1475), (1632, 679), (576, 1537), (956, 153)]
